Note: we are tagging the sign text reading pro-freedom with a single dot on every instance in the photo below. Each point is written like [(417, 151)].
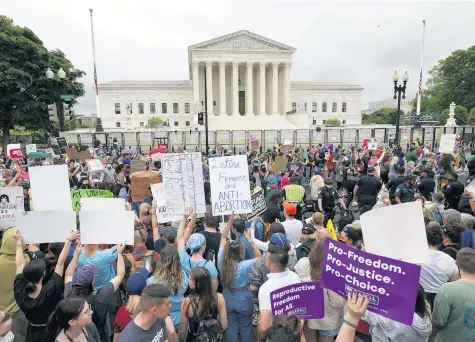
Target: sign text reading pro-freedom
[(230, 192), (391, 285)]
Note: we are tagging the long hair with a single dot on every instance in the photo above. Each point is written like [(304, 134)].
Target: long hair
[(203, 292), (34, 271), (66, 310), (315, 258), (421, 307), (169, 270), (285, 328), (232, 255), (133, 306)]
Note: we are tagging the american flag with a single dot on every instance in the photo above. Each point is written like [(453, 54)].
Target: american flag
[(420, 83), (95, 79)]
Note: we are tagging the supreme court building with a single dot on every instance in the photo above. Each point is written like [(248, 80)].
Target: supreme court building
[(245, 81)]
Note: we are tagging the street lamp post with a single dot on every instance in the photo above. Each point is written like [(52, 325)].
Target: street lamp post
[(59, 105), (398, 90)]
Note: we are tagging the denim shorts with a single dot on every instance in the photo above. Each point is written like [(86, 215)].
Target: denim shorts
[(333, 332)]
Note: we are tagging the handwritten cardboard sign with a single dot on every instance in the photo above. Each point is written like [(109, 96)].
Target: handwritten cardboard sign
[(137, 165), (78, 195), (303, 299), (30, 148), (183, 182), (72, 152), (447, 143), (255, 145), (84, 155), (11, 203), (259, 204), (280, 164), (94, 165), (164, 212), (390, 284), (230, 190), (139, 184)]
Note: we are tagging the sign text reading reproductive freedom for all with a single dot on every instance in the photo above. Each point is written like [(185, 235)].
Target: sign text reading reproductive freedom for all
[(183, 183), (230, 191), (391, 285)]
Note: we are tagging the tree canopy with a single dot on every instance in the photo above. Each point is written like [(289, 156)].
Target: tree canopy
[(451, 80), (461, 116), (26, 91), (155, 122), (383, 116), (333, 123)]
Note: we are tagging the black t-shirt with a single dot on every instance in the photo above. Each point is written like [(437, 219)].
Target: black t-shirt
[(207, 188), (37, 310), (394, 183), (212, 242), (271, 214), (426, 186), (368, 186)]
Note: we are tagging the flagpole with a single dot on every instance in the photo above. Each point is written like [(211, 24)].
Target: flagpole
[(419, 86), (99, 127)]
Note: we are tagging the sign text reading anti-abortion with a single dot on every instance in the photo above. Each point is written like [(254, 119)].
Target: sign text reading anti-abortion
[(230, 185), (391, 285)]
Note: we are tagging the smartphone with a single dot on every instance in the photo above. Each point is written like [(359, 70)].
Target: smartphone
[(211, 254)]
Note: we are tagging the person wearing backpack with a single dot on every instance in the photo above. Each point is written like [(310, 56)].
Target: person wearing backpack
[(234, 271), (80, 284), (307, 239), (203, 314)]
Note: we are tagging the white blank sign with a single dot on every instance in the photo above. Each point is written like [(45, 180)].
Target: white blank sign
[(45, 226), (50, 188), (107, 226), (96, 204), (396, 232)]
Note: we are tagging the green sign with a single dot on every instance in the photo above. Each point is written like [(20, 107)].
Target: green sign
[(68, 98), (76, 196)]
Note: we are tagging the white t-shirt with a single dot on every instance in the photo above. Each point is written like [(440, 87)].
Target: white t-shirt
[(437, 271), (275, 281), (293, 230)]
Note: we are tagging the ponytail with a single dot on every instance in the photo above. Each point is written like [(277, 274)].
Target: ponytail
[(66, 310), (34, 272), (30, 288)]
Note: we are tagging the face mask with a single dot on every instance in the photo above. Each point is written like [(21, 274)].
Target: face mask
[(8, 337)]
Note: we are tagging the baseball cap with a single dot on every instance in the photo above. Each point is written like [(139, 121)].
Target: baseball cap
[(290, 208), (351, 232), (168, 232), (370, 169), (308, 229), (137, 282), (279, 239), (84, 276), (195, 241), (175, 224)]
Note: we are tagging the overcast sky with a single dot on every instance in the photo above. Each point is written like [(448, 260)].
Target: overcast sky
[(349, 41)]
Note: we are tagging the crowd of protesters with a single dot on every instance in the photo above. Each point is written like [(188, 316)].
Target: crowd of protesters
[(200, 279)]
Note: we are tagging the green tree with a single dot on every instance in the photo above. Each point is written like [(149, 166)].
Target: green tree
[(155, 122), (471, 116), (381, 116), (25, 90), (452, 80), (461, 116), (333, 123)]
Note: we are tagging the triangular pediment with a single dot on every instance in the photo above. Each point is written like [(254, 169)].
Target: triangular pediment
[(242, 40)]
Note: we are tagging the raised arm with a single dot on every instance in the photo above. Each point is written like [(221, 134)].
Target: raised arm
[(156, 235), (120, 267), (68, 276), (179, 235), (19, 257), (256, 250), (189, 227), (225, 232), (73, 235)]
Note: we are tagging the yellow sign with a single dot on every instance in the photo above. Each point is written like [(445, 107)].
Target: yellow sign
[(331, 230)]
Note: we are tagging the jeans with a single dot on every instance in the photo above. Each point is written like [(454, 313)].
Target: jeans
[(239, 308)]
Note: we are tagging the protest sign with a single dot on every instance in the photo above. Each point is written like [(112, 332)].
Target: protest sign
[(156, 156), (229, 178), (14, 150), (391, 285), (49, 150), (259, 205), (95, 203), (72, 153), (303, 299), (30, 148), (372, 144), (50, 187), (163, 213), (140, 182), (137, 165), (77, 195), (11, 204), (286, 148), (255, 145), (61, 142), (386, 229), (84, 155), (107, 226), (179, 149), (45, 226), (280, 164), (331, 230), (163, 147), (252, 137), (294, 167), (94, 165), (183, 182), (328, 147), (447, 143)]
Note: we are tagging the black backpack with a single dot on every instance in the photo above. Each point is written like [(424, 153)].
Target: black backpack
[(208, 330)]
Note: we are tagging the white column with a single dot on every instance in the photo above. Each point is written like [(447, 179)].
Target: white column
[(222, 88), (275, 87), (235, 88), (262, 90), (196, 83), (249, 91), (286, 89), (209, 86)]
